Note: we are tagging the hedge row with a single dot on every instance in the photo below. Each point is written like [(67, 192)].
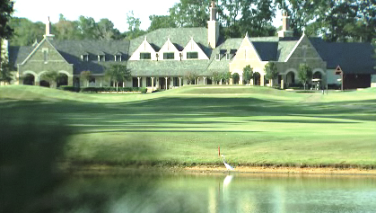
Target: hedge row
[(104, 89)]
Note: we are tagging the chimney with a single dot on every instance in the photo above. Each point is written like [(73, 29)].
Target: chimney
[(213, 26), (48, 34), (285, 32)]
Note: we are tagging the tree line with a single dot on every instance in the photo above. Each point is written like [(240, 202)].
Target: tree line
[(350, 20)]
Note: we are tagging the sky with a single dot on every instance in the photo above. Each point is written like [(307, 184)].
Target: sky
[(115, 10)]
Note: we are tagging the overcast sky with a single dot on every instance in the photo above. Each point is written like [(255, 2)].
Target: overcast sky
[(114, 10)]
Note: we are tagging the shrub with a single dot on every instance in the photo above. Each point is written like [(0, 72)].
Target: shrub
[(143, 90), (70, 88), (90, 90)]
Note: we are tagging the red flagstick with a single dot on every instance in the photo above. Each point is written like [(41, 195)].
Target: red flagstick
[(219, 151)]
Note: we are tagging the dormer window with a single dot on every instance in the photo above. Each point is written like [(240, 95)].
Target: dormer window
[(167, 56), (145, 56), (101, 58), (118, 57), (218, 57), (228, 56), (192, 55), (85, 57)]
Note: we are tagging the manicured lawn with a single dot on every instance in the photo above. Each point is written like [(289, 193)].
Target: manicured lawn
[(252, 125)]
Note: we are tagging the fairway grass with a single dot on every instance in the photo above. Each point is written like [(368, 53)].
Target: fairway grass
[(254, 126)]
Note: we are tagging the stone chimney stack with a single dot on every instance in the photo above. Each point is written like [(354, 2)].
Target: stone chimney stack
[(285, 32), (48, 30), (213, 26)]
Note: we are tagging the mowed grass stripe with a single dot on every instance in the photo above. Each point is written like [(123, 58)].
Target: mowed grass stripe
[(253, 125)]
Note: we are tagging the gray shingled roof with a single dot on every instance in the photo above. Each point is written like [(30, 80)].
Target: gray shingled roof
[(223, 65), (284, 49), (178, 36), (18, 54), (167, 67), (354, 58), (72, 50)]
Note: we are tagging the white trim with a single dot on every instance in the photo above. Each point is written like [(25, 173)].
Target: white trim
[(296, 46), (30, 72), (37, 47), (318, 70), (65, 72)]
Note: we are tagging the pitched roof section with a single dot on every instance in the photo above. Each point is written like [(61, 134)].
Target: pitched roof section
[(167, 67), (222, 65), (18, 54), (284, 49), (72, 50), (178, 36), (353, 58)]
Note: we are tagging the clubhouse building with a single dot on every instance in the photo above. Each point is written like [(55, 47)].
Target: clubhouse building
[(162, 59)]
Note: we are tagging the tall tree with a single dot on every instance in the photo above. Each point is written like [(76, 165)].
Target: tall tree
[(158, 22), (65, 29), (87, 76), (134, 24), (26, 32), (117, 73), (5, 69), (87, 28), (247, 73), (6, 10), (190, 13), (106, 30), (271, 72), (305, 74)]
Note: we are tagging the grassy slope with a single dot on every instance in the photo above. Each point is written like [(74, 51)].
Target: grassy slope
[(253, 126)]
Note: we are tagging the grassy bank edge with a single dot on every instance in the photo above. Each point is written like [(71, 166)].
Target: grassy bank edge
[(111, 168)]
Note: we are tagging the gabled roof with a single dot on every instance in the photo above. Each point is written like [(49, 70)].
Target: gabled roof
[(266, 50), (284, 49), (178, 36), (353, 58), (18, 54), (223, 64)]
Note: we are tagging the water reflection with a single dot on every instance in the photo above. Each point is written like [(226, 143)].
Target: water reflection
[(215, 194)]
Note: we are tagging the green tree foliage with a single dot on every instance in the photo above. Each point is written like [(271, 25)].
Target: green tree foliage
[(271, 71), (117, 73), (235, 78), (5, 70), (374, 49), (350, 20), (26, 32), (65, 29), (247, 73), (217, 77), (239, 17), (53, 78), (134, 24), (226, 76), (305, 74), (158, 22), (87, 76), (190, 13), (191, 77), (6, 10)]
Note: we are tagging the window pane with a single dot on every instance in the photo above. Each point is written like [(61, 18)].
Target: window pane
[(192, 55), (145, 55), (168, 55)]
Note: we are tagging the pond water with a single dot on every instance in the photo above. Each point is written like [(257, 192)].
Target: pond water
[(217, 193)]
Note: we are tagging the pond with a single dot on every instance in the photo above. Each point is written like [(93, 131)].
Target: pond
[(222, 192)]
